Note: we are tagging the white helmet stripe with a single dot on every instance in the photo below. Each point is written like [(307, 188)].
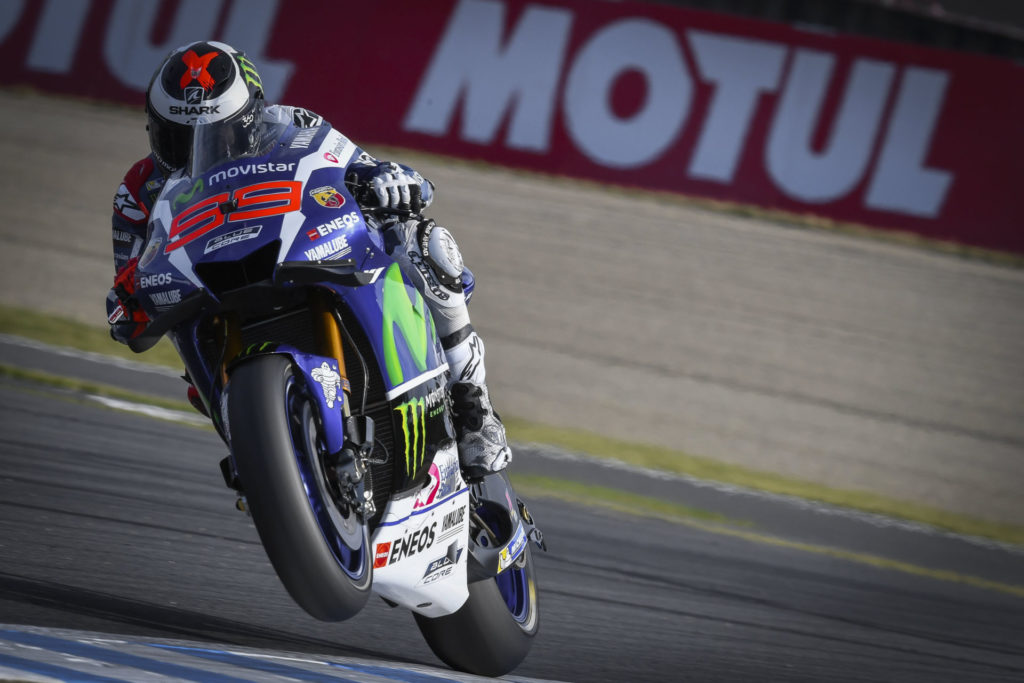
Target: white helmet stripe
[(234, 99)]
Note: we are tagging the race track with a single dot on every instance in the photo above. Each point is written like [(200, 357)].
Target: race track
[(830, 358), (119, 524)]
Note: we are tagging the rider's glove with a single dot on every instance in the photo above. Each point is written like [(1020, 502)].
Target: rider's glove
[(124, 288), (401, 188)]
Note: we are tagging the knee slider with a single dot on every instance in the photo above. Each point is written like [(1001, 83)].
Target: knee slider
[(441, 253)]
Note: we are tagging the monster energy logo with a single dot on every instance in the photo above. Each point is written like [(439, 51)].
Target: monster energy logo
[(252, 349), (187, 196), (249, 72), (414, 428)]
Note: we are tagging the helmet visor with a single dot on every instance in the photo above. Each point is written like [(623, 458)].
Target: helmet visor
[(170, 142)]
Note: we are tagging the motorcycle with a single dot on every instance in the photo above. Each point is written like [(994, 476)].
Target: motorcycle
[(323, 373)]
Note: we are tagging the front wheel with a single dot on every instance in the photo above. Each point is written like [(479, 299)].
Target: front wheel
[(319, 550), (492, 632)]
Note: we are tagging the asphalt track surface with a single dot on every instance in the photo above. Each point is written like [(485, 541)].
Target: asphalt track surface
[(117, 523), (826, 357)]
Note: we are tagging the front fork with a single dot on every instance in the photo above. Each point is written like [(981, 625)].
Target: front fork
[(348, 465), (350, 440), (329, 339), (229, 339)]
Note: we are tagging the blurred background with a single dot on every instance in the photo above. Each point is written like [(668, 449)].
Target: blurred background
[(775, 243), (624, 178), (992, 27)]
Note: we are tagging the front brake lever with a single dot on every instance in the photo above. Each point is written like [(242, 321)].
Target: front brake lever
[(382, 212)]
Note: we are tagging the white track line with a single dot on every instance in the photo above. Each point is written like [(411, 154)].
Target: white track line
[(103, 359)]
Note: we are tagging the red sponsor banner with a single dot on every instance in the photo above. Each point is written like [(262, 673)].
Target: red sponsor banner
[(854, 129)]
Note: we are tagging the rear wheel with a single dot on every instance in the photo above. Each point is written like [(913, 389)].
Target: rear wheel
[(492, 632), (319, 549)]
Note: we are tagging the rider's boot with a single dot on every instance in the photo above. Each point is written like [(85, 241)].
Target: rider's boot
[(483, 447)]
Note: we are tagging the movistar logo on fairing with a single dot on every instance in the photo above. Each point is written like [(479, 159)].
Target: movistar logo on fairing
[(197, 186), (248, 169), (412, 320)]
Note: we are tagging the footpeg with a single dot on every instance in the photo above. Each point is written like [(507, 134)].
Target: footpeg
[(538, 539)]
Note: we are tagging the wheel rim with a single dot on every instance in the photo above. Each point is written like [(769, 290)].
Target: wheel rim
[(515, 584), (344, 533), (516, 589)]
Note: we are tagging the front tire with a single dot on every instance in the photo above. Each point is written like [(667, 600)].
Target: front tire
[(491, 634), (320, 552)]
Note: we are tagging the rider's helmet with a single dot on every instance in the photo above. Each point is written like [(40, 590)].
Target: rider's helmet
[(207, 79)]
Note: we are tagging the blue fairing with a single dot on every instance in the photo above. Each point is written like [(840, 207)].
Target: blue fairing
[(289, 205)]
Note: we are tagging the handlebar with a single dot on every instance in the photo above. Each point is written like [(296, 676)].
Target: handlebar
[(383, 211)]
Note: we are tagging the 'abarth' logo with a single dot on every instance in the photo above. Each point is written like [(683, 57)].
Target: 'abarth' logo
[(328, 197)]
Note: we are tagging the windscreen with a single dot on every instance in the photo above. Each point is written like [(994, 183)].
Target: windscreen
[(218, 142)]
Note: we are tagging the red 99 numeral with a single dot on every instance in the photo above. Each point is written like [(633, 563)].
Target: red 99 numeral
[(260, 200)]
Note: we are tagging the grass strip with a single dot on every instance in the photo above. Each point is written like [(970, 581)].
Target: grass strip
[(612, 499), (632, 504), (94, 388), (52, 330), (660, 458)]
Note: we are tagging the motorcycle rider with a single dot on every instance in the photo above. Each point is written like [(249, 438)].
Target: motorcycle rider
[(217, 81)]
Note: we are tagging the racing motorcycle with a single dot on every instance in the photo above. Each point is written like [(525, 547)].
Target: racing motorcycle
[(322, 371)]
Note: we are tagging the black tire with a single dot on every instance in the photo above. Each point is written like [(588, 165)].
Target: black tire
[(484, 637), (274, 443)]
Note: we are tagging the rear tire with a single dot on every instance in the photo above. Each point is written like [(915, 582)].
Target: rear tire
[(492, 632), (320, 553)]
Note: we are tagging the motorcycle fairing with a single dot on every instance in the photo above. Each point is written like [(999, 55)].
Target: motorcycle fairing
[(399, 325), (324, 384), (256, 199), (421, 544), (421, 419), (510, 529), (390, 310)]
